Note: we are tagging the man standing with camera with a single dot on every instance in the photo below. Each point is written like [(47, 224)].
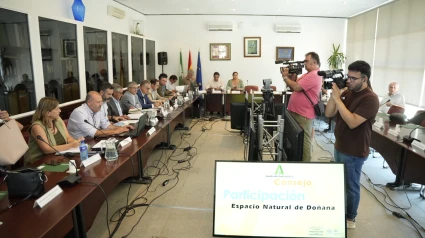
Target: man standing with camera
[(355, 111), (299, 106)]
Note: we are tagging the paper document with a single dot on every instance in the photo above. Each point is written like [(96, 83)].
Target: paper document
[(134, 116), (75, 150)]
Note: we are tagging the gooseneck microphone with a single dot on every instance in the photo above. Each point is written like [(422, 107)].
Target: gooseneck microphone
[(409, 139), (85, 120), (70, 180), (385, 102), (134, 106)]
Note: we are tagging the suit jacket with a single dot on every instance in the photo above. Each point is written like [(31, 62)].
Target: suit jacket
[(153, 95), (126, 98), (113, 109), (163, 92), (146, 103)]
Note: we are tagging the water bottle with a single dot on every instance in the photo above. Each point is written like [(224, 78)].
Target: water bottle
[(84, 154)]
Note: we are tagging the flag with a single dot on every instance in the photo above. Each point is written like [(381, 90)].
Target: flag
[(189, 63), (199, 72), (181, 69)]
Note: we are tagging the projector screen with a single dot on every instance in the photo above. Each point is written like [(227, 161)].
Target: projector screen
[(271, 199)]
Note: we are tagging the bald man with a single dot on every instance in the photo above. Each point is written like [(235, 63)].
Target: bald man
[(91, 111), (393, 98)]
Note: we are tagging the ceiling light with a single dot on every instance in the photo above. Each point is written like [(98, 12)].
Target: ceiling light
[(279, 10), (233, 9), (187, 9)]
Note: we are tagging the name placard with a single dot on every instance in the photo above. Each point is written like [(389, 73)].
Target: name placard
[(91, 160), (418, 145), (151, 131), (47, 197), (236, 92), (125, 142), (216, 91)]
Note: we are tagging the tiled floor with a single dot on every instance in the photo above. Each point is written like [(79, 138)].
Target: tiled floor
[(185, 208)]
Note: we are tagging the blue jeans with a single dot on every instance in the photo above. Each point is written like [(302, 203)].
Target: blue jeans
[(353, 170)]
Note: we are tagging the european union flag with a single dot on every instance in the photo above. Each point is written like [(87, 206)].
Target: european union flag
[(199, 72)]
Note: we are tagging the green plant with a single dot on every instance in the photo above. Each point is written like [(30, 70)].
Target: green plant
[(337, 58)]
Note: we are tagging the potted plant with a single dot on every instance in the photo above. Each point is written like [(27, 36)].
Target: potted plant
[(337, 58)]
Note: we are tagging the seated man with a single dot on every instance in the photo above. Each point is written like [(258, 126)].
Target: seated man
[(142, 95), (215, 83), (129, 100), (91, 112), (393, 98), (114, 105), (162, 90), (190, 80), (171, 84), (153, 94)]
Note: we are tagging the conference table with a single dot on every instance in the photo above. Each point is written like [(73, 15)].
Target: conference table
[(407, 162), (75, 209), (215, 101)]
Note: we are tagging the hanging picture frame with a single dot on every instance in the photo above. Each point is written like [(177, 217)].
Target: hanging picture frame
[(285, 53), (220, 51), (252, 46), (69, 48)]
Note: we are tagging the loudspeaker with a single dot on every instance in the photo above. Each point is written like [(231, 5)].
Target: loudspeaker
[(162, 58), (237, 115)]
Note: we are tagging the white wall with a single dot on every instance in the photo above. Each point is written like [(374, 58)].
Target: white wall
[(190, 32), (95, 12)]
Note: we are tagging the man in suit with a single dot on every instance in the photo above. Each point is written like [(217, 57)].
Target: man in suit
[(142, 95), (162, 90), (129, 100), (115, 106)]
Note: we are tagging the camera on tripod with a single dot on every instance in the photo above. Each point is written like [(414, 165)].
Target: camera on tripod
[(333, 76), (295, 67)]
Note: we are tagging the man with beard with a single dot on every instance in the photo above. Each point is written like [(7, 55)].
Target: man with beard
[(355, 111)]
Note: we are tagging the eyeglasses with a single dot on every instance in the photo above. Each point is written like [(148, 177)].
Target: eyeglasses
[(351, 78)]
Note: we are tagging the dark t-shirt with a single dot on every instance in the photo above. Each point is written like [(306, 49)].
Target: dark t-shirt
[(356, 142)]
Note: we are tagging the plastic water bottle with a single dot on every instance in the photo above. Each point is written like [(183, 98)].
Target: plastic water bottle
[(84, 154)]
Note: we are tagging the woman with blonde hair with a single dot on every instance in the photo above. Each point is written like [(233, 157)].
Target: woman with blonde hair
[(47, 123)]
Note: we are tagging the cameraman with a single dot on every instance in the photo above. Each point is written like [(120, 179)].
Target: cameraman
[(355, 111), (299, 106)]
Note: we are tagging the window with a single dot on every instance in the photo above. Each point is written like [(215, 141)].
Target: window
[(17, 94), (120, 59), (96, 58), (137, 59), (150, 59), (60, 59)]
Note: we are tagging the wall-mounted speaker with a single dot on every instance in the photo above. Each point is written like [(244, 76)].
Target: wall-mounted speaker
[(162, 58)]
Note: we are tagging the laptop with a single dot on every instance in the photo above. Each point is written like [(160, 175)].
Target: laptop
[(140, 126), (182, 88)]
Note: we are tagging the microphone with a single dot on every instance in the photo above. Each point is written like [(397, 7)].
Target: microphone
[(385, 102), (70, 180), (409, 139), (85, 120), (134, 106)]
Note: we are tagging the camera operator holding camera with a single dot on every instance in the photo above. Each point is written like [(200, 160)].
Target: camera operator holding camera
[(355, 111), (299, 105)]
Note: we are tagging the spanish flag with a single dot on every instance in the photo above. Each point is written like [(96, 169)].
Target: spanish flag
[(189, 63)]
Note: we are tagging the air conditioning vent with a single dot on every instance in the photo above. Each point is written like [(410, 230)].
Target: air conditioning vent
[(116, 12), (220, 26), (288, 29)]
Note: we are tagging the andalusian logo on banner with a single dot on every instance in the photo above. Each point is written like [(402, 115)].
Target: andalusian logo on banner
[(279, 170)]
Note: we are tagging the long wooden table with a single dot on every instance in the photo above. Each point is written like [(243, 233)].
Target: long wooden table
[(76, 208), (405, 161)]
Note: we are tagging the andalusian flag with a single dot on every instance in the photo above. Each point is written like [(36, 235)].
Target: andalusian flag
[(199, 72), (189, 63), (181, 69)]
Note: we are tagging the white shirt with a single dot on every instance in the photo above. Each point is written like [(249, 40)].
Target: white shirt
[(78, 128), (395, 99), (171, 86), (213, 84)]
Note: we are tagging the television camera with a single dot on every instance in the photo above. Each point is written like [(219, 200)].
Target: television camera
[(295, 67), (333, 76)]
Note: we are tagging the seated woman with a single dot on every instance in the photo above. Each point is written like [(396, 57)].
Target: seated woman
[(235, 83), (47, 123)]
